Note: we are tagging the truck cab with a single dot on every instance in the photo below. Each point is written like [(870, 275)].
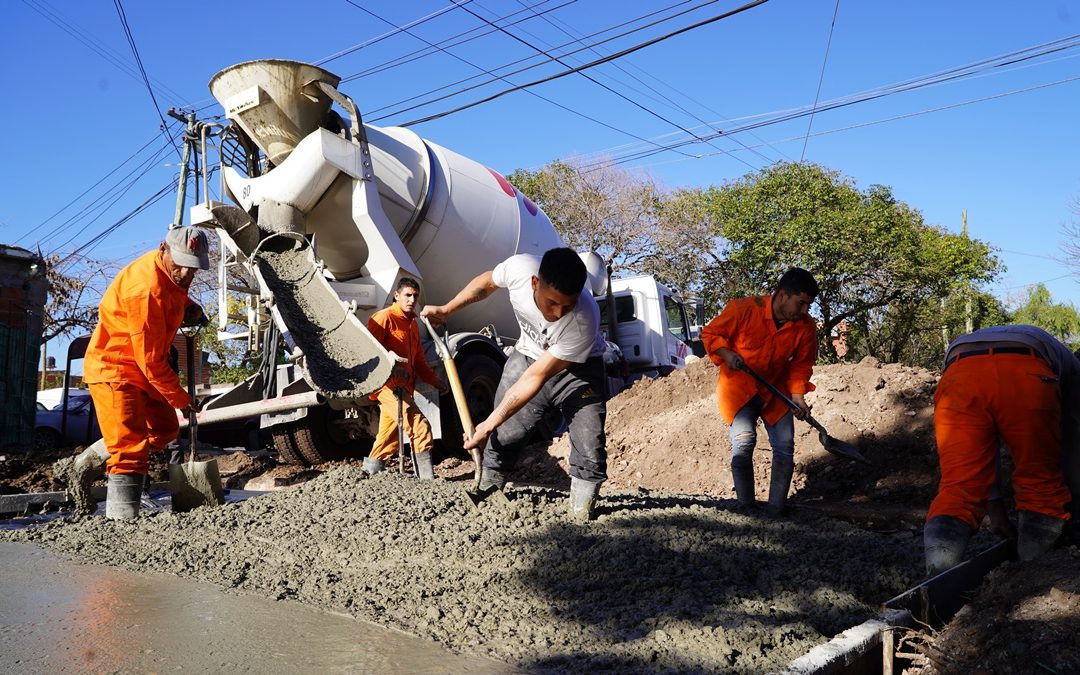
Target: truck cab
[(652, 327)]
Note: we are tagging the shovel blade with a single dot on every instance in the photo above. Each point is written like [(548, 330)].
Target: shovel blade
[(195, 484), (841, 448), (495, 495)]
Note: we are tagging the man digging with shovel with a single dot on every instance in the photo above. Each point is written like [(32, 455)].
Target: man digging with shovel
[(556, 363), (135, 391), (775, 336)]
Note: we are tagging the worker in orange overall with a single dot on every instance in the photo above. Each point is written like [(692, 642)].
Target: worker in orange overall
[(396, 329), (135, 391), (1016, 385), (776, 337)]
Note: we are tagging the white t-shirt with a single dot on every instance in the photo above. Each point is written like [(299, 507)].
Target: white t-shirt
[(575, 337)]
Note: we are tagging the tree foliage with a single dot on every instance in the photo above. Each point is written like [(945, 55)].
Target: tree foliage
[(607, 210), (75, 289), (873, 256), (1059, 319)]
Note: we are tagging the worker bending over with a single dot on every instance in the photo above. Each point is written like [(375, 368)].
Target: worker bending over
[(135, 391), (1017, 384), (396, 329), (557, 363), (775, 336)]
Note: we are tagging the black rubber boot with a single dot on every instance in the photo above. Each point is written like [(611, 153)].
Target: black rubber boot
[(123, 496), (1036, 534), (780, 482), (582, 499), (944, 540), (742, 473), (491, 480), (425, 470), (372, 466)]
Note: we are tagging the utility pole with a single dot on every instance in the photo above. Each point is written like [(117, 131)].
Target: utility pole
[(969, 323)]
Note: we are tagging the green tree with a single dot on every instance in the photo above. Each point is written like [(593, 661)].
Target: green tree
[(604, 209), (1059, 319), (870, 253)]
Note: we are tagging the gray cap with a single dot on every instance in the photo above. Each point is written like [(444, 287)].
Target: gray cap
[(189, 247)]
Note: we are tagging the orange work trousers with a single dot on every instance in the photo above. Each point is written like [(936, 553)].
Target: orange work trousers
[(979, 398), (133, 423), (416, 426)]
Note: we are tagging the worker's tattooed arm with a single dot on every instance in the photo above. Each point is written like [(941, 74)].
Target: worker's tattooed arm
[(475, 291), (519, 393)]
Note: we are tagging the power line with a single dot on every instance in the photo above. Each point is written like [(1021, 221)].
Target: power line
[(447, 43), (57, 19), (89, 245), (543, 62), (86, 191), (821, 79), (591, 64), (909, 85), (470, 63), (142, 71), (663, 99), (587, 77), (380, 38)]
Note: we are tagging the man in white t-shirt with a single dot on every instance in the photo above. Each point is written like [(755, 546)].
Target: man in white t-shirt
[(558, 362)]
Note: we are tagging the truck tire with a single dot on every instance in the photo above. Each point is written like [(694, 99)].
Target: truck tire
[(286, 449), (319, 437), (479, 375)]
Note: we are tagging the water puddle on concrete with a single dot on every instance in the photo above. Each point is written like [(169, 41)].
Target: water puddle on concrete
[(59, 616)]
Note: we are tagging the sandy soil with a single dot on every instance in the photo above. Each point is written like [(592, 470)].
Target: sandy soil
[(669, 578)]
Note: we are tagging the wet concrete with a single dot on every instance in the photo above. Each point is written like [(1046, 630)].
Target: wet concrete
[(659, 583), (57, 616)]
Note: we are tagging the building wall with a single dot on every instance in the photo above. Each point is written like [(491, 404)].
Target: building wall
[(23, 291)]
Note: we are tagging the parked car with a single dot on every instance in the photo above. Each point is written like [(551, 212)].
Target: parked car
[(81, 428)]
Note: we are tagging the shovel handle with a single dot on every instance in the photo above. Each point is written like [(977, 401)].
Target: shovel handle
[(443, 348), (192, 415)]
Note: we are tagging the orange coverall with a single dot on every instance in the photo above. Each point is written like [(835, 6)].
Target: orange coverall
[(979, 398), (135, 392), (783, 356), (400, 334)]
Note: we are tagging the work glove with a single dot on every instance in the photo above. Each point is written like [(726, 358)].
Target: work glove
[(194, 316)]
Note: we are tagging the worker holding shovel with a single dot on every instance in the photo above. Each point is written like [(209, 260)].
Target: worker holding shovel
[(557, 363), (776, 338), (396, 329), (1021, 386), (134, 389)]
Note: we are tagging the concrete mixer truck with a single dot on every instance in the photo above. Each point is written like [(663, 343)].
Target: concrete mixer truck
[(323, 215)]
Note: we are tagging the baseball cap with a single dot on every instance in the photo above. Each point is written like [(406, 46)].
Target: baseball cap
[(189, 247)]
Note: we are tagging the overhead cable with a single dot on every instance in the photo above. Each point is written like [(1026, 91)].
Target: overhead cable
[(591, 64)]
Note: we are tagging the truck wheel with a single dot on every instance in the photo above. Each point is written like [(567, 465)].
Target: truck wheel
[(322, 436), (479, 376), (286, 449)]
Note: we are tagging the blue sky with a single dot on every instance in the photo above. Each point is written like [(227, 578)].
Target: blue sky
[(1001, 144)]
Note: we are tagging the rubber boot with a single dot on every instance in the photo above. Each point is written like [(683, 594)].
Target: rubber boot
[(1036, 534), (491, 480), (124, 496), (742, 473), (944, 540), (78, 474), (424, 468), (372, 466), (582, 499), (780, 482)]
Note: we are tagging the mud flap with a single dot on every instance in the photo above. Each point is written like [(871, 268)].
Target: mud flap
[(341, 360)]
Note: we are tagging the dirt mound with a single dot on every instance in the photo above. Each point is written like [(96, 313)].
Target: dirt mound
[(667, 434), (659, 582), (1025, 617)]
